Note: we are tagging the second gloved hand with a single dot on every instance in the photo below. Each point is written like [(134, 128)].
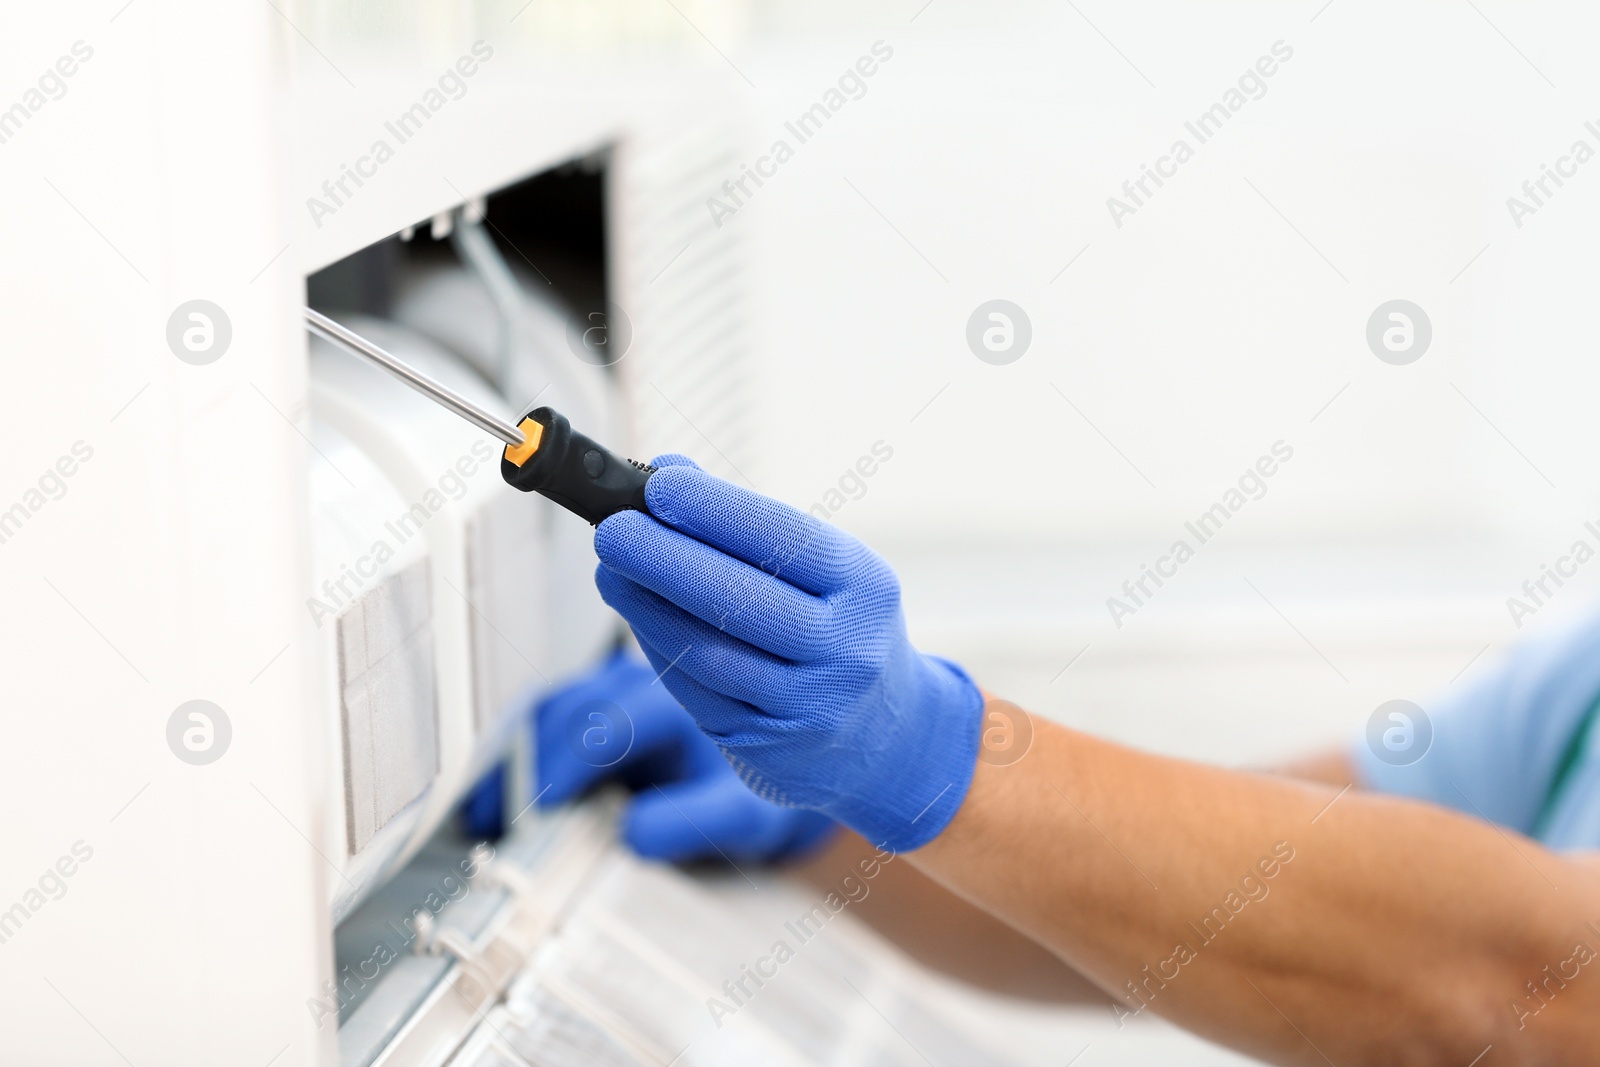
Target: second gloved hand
[(783, 637), (618, 722)]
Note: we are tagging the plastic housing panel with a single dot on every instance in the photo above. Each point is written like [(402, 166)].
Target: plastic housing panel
[(351, 559), (507, 545), (444, 471), (389, 701)]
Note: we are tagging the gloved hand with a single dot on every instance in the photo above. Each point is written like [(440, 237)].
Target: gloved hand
[(783, 637), (619, 722)]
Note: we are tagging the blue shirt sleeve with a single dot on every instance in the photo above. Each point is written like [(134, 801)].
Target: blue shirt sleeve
[(1498, 739)]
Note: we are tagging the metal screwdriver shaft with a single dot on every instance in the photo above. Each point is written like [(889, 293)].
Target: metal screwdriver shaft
[(355, 344)]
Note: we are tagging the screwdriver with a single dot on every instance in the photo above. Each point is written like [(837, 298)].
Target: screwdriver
[(543, 453)]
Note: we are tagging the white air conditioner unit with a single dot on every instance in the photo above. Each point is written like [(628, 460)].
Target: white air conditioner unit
[(231, 514)]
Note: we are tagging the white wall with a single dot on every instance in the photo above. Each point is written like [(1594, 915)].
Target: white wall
[(1221, 317), (167, 568)]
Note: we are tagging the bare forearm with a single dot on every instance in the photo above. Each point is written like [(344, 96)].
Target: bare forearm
[(948, 933), (1276, 916), (942, 930)]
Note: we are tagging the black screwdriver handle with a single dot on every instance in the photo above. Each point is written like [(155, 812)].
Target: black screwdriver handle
[(573, 469)]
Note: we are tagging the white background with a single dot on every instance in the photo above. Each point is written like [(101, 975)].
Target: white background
[(1223, 316)]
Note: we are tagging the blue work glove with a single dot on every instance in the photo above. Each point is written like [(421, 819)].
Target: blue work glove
[(483, 810), (783, 637), (618, 722)]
